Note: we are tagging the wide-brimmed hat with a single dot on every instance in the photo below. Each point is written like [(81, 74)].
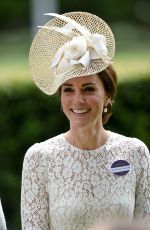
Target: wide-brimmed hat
[(71, 45)]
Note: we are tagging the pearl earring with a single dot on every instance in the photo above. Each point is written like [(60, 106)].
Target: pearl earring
[(105, 110)]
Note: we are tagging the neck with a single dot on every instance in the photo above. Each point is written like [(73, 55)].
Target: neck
[(87, 139)]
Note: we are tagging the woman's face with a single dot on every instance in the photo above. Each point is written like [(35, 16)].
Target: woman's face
[(83, 100)]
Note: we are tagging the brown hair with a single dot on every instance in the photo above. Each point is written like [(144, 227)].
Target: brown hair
[(109, 79)]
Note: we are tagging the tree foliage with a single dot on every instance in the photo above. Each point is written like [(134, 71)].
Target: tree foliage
[(17, 13)]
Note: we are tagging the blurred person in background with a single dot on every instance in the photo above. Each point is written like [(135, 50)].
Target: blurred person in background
[(121, 226), (2, 218), (87, 173)]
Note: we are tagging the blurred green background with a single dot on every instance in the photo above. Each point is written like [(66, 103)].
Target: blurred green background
[(28, 116)]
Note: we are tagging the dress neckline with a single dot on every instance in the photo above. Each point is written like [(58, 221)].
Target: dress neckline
[(76, 149)]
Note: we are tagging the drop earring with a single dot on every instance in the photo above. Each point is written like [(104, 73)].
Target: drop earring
[(105, 110)]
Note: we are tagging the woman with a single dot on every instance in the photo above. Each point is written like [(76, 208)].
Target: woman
[(87, 174)]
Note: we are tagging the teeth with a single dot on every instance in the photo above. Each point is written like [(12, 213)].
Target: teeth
[(80, 110)]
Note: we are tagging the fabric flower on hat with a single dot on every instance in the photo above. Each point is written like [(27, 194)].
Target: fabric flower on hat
[(75, 49), (81, 49), (76, 52), (99, 46)]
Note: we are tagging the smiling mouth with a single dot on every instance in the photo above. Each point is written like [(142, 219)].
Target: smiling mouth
[(80, 111)]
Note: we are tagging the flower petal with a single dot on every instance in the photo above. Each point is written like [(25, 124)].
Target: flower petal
[(57, 57), (93, 54), (76, 48), (85, 59), (74, 62), (100, 49), (96, 38)]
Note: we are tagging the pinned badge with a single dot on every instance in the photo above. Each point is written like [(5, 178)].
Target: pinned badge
[(120, 167)]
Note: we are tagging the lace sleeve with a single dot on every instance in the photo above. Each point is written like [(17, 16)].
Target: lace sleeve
[(34, 196), (142, 199)]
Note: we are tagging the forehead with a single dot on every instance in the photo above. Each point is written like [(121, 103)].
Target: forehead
[(91, 79)]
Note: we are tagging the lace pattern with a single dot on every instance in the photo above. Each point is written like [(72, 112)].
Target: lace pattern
[(66, 188)]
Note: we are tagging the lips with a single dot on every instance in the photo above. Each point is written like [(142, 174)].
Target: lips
[(80, 111)]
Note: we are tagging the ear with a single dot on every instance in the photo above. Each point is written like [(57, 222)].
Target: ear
[(108, 100)]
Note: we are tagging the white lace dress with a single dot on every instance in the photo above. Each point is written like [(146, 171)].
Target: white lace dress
[(66, 188)]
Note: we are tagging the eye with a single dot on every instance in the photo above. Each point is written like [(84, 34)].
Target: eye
[(89, 89), (67, 90)]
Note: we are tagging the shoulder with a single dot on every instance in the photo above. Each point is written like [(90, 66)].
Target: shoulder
[(129, 143), (42, 149)]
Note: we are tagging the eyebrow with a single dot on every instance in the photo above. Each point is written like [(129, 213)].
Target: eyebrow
[(85, 84)]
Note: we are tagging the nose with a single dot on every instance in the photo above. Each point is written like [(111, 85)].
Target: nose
[(79, 97)]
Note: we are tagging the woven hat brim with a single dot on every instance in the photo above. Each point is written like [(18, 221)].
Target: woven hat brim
[(47, 42)]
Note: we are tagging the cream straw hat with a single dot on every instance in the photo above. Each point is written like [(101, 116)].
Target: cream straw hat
[(71, 45)]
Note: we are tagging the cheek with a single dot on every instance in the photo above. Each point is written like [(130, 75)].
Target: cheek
[(97, 100), (64, 102)]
